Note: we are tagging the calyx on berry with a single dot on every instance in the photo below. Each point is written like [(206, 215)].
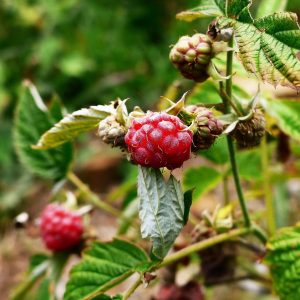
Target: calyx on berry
[(159, 140)]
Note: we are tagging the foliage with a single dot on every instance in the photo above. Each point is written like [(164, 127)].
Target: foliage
[(104, 266), (283, 257), (266, 46), (32, 119), (161, 209)]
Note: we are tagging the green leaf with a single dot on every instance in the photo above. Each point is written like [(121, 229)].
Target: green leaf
[(266, 47), (265, 9), (43, 291), (287, 115), (202, 179), (205, 93), (188, 199), (36, 260), (249, 164), (31, 120), (206, 8), (283, 256), (218, 152), (161, 209), (74, 124), (103, 266), (215, 8)]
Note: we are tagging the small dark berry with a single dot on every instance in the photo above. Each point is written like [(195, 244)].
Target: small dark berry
[(250, 132)]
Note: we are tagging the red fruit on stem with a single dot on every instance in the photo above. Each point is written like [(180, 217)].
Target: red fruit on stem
[(159, 140), (61, 229)]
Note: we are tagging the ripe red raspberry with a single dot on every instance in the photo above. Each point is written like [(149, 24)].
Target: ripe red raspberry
[(60, 229), (159, 140)]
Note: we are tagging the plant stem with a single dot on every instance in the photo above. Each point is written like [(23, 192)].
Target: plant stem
[(204, 245), (225, 188), (267, 190), (91, 196), (26, 286), (132, 289), (231, 150), (237, 182), (226, 99)]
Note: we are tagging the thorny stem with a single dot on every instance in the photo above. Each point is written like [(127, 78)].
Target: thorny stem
[(267, 190), (91, 196), (231, 150), (132, 289)]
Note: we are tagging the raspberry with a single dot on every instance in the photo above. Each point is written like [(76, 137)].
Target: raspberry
[(60, 229), (159, 140), (192, 56), (249, 133), (208, 128), (111, 132)]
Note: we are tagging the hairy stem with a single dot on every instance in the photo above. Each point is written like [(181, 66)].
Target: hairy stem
[(267, 189), (91, 196), (204, 245)]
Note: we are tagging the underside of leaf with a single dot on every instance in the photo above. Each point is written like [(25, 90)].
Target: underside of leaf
[(74, 124), (267, 47)]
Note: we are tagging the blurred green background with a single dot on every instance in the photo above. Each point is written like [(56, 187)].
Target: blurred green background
[(87, 52)]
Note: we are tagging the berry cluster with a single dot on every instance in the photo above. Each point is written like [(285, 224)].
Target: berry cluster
[(61, 229), (159, 140), (192, 55)]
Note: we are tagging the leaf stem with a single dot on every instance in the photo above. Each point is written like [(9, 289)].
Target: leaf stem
[(267, 190), (228, 89), (204, 245), (91, 196), (132, 289)]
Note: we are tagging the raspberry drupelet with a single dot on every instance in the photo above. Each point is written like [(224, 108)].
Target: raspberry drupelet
[(159, 140), (61, 229)]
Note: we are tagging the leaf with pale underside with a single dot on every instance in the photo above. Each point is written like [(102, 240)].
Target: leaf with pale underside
[(161, 209), (237, 9), (74, 124)]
